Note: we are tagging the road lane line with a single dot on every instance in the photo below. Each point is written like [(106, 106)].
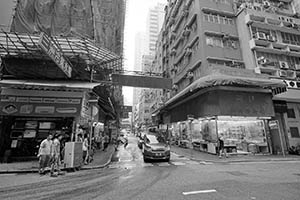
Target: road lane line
[(199, 192)]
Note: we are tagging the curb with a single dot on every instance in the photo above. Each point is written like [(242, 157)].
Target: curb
[(36, 170), (242, 161), (99, 166)]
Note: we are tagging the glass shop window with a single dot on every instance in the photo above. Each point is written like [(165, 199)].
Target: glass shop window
[(291, 113), (294, 132)]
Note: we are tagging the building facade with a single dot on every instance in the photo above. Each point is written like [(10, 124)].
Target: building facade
[(155, 21), (214, 50), (63, 51), (145, 61)]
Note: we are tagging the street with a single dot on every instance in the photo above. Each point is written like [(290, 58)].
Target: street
[(128, 177)]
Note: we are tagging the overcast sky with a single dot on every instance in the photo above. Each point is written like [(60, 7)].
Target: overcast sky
[(136, 16)]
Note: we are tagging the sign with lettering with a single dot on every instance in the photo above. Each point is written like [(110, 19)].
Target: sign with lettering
[(40, 106), (50, 48)]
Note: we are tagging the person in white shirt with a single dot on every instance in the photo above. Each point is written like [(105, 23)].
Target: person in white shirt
[(55, 155), (85, 148), (44, 154)]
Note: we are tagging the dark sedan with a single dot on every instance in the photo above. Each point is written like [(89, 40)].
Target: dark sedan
[(155, 147)]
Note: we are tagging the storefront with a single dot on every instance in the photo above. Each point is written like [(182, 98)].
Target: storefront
[(222, 107), (29, 115), (287, 108)]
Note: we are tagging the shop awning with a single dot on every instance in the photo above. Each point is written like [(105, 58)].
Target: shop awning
[(60, 85), (226, 80), (27, 46), (291, 95)]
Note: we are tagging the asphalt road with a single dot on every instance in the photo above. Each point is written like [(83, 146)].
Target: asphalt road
[(130, 178)]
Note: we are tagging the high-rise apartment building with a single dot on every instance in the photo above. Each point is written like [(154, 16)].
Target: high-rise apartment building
[(6, 13), (144, 58), (139, 51), (229, 61), (155, 21)]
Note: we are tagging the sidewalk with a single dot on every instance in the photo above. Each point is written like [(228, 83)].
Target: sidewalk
[(101, 159), (206, 157)]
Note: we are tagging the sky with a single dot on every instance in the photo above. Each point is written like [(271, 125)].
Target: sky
[(136, 15)]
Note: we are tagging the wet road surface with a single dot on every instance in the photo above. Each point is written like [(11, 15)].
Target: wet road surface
[(128, 177)]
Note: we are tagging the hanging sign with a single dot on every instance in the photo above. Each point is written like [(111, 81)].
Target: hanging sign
[(54, 53)]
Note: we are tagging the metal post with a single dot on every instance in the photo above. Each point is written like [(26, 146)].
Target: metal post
[(216, 118), (281, 141), (91, 128)]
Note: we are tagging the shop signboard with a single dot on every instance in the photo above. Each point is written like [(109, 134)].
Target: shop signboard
[(41, 106), (273, 124), (51, 49), (40, 103)]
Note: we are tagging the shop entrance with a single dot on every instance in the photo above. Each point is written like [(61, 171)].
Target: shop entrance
[(24, 134)]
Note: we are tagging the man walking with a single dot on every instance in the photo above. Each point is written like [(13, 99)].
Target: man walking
[(106, 142), (221, 147), (44, 154), (55, 155)]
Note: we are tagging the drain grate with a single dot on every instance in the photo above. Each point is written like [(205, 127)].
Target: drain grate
[(236, 173)]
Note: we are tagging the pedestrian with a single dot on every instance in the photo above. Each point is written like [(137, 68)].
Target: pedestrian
[(106, 142), (79, 138), (221, 147), (55, 155), (125, 141), (98, 141), (45, 153), (85, 147)]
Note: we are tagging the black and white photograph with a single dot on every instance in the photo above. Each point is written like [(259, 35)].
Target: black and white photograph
[(150, 99)]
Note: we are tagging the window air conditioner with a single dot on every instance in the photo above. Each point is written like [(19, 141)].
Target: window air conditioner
[(291, 84), (261, 36), (173, 51), (175, 87), (271, 38), (188, 51), (291, 74), (190, 75), (282, 73), (297, 66), (262, 60), (266, 4), (283, 65)]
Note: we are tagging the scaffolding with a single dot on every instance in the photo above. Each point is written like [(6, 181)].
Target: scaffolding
[(27, 46)]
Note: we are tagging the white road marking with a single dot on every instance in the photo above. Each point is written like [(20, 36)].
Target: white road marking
[(191, 162), (163, 164), (178, 163), (199, 192), (147, 165)]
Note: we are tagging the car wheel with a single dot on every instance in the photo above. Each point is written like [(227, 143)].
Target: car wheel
[(168, 159), (145, 160)]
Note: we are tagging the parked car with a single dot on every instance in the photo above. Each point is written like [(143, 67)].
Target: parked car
[(155, 147)]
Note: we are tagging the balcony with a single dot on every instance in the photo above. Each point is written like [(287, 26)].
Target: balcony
[(273, 22), (172, 35), (186, 31)]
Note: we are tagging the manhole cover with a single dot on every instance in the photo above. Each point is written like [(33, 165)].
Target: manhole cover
[(297, 174), (236, 173)]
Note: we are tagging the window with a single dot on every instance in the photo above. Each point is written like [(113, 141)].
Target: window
[(294, 132), (230, 44), (209, 41), (218, 42), (291, 113)]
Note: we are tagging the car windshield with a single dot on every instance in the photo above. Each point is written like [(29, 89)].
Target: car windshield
[(155, 139)]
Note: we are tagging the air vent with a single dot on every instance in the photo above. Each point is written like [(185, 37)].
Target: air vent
[(282, 73), (291, 84), (283, 65), (261, 36)]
